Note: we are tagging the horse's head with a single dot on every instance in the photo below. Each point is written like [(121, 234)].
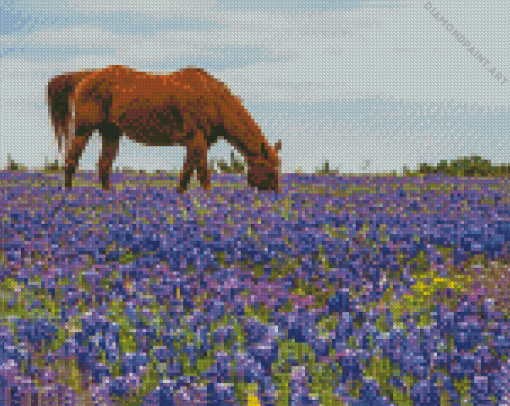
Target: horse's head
[(264, 170)]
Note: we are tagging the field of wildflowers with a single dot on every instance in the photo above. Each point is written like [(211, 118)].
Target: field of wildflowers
[(342, 290)]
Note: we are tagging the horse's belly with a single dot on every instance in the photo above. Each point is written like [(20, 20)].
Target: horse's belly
[(156, 137), (153, 126)]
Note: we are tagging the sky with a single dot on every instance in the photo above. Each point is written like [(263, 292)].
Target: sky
[(366, 85)]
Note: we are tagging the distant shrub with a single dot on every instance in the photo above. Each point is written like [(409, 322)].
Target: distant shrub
[(236, 165), (52, 166), (128, 169), (14, 166), (464, 167), (325, 170)]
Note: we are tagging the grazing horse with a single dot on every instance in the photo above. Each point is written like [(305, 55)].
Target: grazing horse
[(188, 108)]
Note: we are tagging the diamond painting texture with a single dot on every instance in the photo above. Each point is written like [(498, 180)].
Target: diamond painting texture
[(352, 250)]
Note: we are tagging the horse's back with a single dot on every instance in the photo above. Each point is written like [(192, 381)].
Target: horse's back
[(177, 102)]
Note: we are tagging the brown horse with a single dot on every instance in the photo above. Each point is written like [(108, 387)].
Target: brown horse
[(189, 108)]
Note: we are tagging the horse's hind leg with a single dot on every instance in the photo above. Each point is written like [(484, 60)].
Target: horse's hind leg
[(204, 175), (73, 155), (196, 159), (110, 139)]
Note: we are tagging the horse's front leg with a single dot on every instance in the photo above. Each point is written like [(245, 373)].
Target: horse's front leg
[(110, 148), (73, 155), (196, 159)]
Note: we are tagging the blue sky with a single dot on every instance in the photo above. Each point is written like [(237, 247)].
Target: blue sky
[(353, 81)]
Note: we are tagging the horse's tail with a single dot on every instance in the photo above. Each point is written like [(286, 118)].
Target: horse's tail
[(59, 93)]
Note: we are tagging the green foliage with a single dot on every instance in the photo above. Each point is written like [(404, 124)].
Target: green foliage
[(128, 169), (474, 166), (50, 167), (14, 166), (325, 170), (236, 165), (463, 167)]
